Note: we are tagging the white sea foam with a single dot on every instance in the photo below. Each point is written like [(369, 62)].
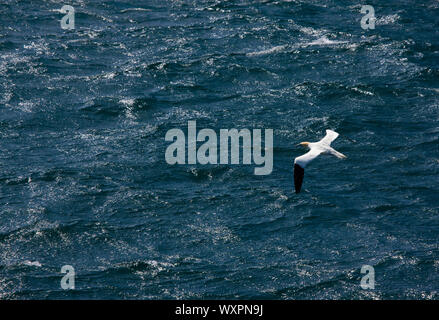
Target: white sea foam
[(267, 51), (32, 263), (134, 9), (387, 19), (26, 106), (109, 75), (127, 101), (323, 41), (362, 91), (311, 31)]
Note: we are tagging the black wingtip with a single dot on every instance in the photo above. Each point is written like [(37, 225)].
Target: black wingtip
[(298, 177)]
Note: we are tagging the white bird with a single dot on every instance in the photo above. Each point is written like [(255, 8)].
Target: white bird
[(315, 149)]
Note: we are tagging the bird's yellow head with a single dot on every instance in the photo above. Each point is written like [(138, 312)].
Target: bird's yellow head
[(304, 144)]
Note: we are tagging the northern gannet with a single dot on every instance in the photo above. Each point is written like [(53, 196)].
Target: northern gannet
[(315, 149)]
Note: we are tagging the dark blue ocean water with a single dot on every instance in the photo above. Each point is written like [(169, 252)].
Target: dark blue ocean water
[(83, 176)]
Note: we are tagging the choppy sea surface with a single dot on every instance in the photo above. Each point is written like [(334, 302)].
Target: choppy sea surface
[(83, 176)]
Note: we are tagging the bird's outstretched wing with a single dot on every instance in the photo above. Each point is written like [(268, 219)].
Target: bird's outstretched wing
[(299, 167), (330, 136), (298, 177), (306, 158)]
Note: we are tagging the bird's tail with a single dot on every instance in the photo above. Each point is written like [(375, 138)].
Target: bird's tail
[(338, 154)]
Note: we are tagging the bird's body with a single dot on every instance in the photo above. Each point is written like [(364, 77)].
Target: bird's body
[(315, 149)]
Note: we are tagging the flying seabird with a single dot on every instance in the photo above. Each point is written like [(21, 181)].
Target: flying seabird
[(315, 149)]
